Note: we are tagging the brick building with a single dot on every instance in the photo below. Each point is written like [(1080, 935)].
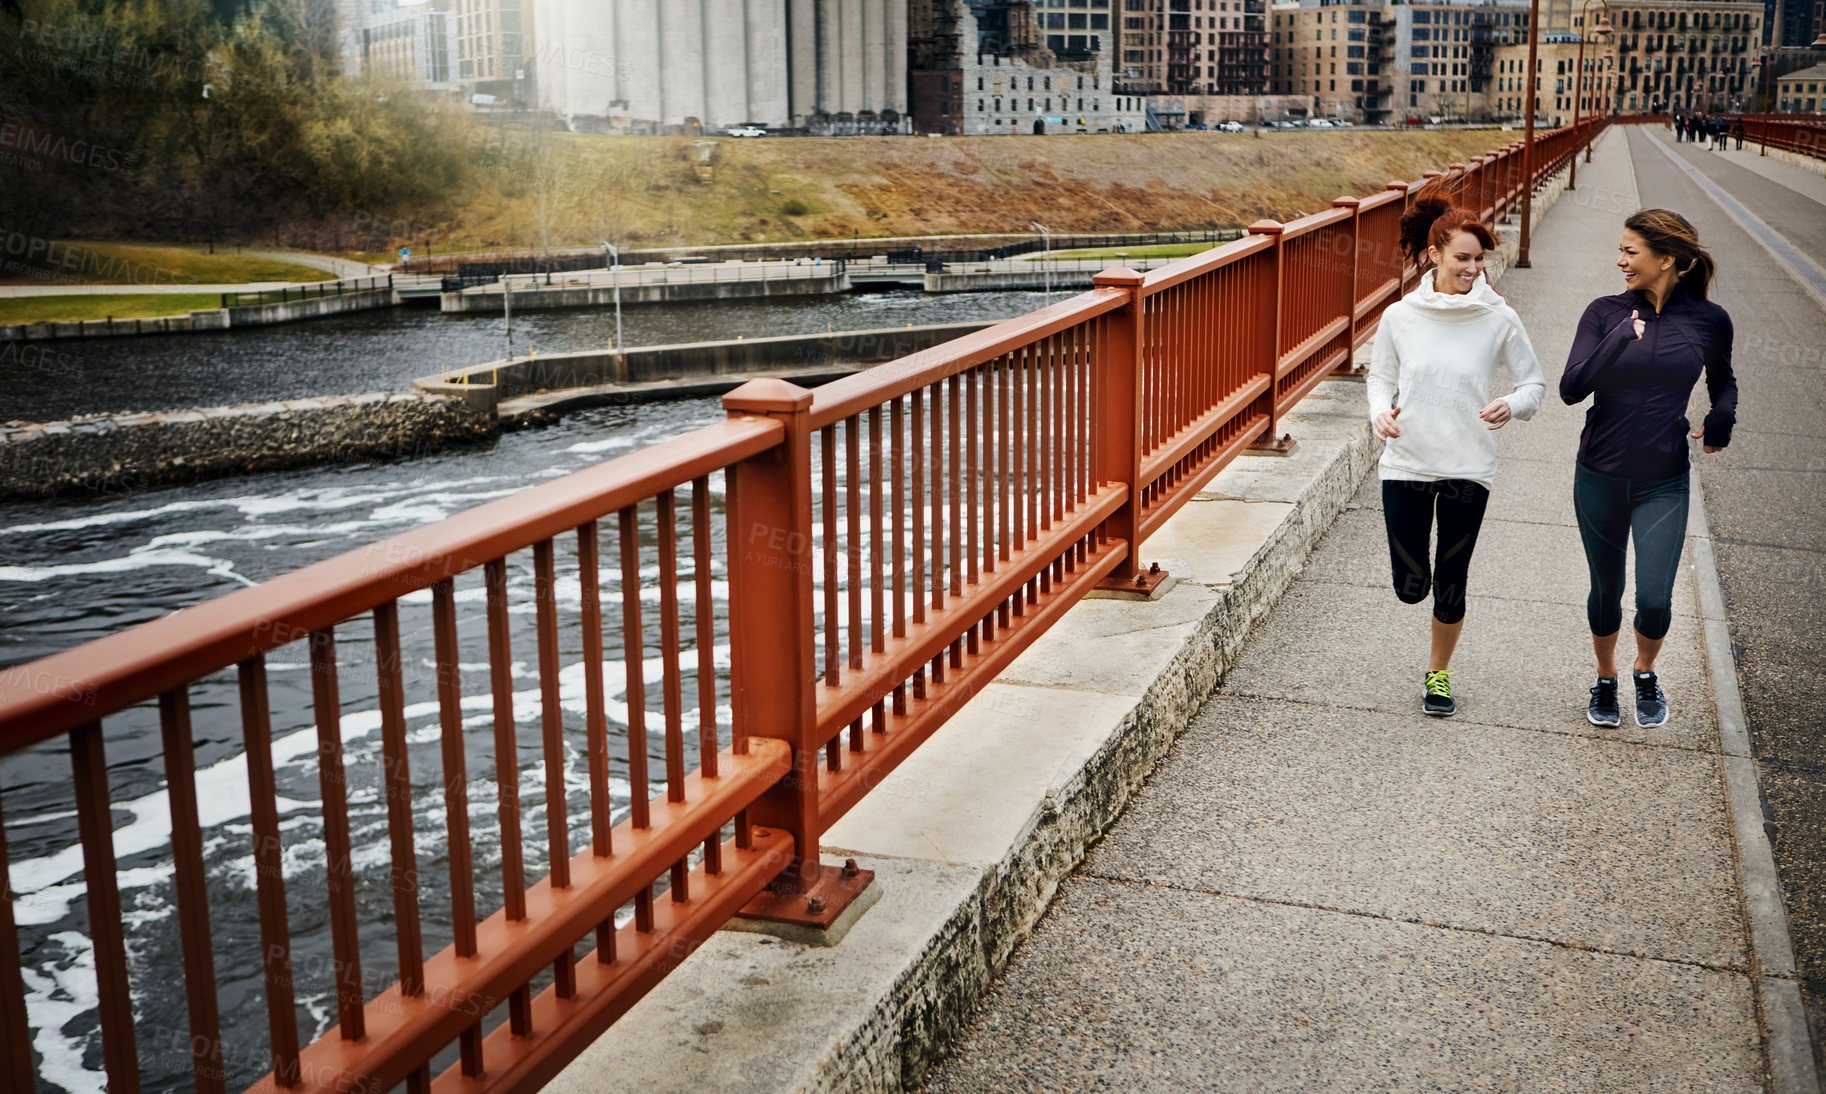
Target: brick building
[(1683, 55)]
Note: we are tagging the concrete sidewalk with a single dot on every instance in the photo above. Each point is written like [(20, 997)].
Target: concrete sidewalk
[(1321, 889)]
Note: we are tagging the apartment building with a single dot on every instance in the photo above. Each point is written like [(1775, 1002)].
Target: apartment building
[(691, 66), (1682, 55), (1562, 89), (1802, 92), (1195, 47), (1017, 67), (416, 45), (1374, 61), (494, 43)]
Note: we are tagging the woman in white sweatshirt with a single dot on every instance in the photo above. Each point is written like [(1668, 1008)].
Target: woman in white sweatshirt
[(1432, 367)]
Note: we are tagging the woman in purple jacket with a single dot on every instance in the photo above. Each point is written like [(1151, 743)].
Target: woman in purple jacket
[(1639, 354)]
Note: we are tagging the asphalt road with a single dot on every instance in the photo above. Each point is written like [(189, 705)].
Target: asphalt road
[(1766, 495)]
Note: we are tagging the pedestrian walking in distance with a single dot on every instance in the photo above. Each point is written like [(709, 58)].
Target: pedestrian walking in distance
[(1638, 355), (1432, 367)]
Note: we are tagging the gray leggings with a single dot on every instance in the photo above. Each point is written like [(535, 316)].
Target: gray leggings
[(1611, 512)]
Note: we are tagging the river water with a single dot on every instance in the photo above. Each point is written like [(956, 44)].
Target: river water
[(77, 569), (386, 350)]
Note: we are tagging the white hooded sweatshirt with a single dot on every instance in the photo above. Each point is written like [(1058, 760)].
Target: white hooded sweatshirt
[(1435, 356)]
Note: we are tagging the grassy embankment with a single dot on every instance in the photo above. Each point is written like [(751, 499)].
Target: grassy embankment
[(143, 264), (68, 309), (148, 264), (565, 190)]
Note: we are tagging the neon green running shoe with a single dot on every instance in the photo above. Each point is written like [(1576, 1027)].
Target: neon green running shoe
[(1438, 700)]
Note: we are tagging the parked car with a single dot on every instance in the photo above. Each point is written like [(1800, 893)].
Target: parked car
[(1232, 127), (745, 131), (1318, 123)]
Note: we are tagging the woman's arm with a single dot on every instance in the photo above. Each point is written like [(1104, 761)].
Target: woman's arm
[(1594, 349), (1383, 379), (1525, 368), (1721, 384)]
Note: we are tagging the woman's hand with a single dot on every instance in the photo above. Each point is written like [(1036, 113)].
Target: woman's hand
[(1385, 424), (1710, 448), (1497, 414), (1636, 319)]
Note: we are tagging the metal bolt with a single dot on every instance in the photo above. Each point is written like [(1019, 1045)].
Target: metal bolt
[(1153, 567), (1141, 581), (850, 870), (814, 906)]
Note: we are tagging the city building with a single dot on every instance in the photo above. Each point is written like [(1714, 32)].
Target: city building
[(1386, 62), (689, 66), (1674, 56), (494, 42), (1802, 92), (416, 45), (1025, 67), (1557, 79)]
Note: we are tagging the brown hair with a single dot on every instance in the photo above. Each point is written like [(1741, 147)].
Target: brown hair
[(1668, 233), (1432, 220)]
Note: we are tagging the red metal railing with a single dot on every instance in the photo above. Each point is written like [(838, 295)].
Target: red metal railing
[(891, 542), (1806, 136)]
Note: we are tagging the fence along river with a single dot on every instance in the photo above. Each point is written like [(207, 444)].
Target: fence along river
[(77, 569)]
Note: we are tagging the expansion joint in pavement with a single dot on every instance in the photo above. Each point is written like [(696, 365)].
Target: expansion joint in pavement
[(1481, 932)]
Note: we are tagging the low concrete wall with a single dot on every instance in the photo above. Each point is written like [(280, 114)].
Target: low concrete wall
[(125, 452), (488, 302), (258, 315), (485, 386), (992, 282)]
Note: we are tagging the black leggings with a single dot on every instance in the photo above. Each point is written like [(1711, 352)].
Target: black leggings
[(1408, 507), (1611, 512)]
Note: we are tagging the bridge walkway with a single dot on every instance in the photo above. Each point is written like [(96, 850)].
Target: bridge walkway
[(1321, 889)]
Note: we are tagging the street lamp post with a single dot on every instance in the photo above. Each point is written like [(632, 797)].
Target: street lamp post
[(1602, 30), (1534, 35), (1046, 252), (615, 272)]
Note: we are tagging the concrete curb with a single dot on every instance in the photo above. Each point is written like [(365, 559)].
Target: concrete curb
[(1772, 967)]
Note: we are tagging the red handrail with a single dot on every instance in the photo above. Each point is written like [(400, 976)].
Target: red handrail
[(891, 541)]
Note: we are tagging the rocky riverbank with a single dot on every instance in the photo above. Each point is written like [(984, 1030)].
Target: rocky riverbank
[(123, 452)]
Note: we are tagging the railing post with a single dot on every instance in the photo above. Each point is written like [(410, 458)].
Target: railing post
[(773, 663), (1116, 425), (1349, 368), (1272, 442)]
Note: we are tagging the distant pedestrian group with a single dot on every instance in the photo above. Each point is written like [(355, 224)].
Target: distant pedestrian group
[(1710, 130), (1637, 356)]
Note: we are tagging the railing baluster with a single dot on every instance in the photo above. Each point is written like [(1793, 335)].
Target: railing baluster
[(269, 883), (404, 859), (953, 473), (94, 820), (633, 652), (193, 893), (507, 749), (589, 579), (16, 1071), (345, 937), (898, 463), (672, 681), (704, 638), (551, 711), (972, 512), (456, 798)]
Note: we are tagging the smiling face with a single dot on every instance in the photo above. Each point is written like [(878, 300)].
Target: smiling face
[(1642, 267), (1460, 264)]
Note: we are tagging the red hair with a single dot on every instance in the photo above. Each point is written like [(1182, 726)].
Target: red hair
[(1432, 220)]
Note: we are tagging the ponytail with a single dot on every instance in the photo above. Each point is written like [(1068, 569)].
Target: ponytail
[(1432, 219)]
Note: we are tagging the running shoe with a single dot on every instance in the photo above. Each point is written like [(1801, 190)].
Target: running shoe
[(1603, 710), (1651, 701), (1438, 701)]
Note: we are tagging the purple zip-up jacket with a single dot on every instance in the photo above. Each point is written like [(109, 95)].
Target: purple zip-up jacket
[(1637, 425)]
